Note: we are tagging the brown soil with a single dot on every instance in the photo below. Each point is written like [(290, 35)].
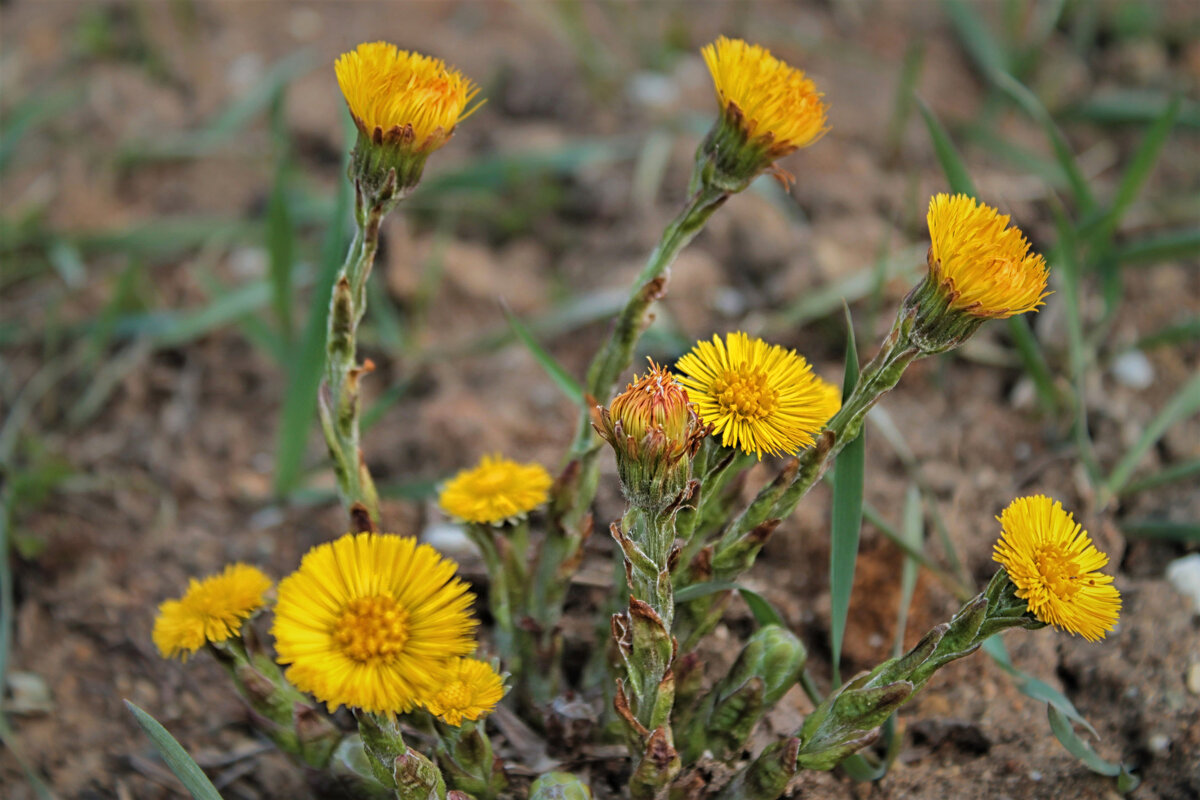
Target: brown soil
[(171, 478)]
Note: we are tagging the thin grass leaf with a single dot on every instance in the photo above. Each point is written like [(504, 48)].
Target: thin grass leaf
[(1033, 687), (1167, 530), (1169, 246), (947, 154), (902, 105), (1175, 333), (176, 758), (1027, 100), (1173, 473), (975, 36), (1140, 106), (846, 521), (281, 251), (562, 379), (308, 360), (760, 608), (1062, 729), (913, 530), (29, 115), (1182, 404)]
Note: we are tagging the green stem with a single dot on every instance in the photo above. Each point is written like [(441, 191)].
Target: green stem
[(339, 399)]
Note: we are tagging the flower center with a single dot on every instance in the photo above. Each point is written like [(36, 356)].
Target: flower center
[(1058, 569), (372, 628), (745, 393), (456, 696)]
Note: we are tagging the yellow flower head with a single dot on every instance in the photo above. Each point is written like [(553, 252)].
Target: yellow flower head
[(775, 104), (372, 621), (831, 395), (212, 610), (396, 95), (758, 397), (981, 263), (471, 691), (496, 491), (1054, 566)]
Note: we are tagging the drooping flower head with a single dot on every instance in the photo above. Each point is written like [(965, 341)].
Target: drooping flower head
[(768, 109), (495, 491), (372, 621), (471, 691), (212, 610), (405, 105), (655, 431), (1055, 568), (982, 264), (758, 397)]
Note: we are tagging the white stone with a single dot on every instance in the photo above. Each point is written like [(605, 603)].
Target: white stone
[(1184, 575), (1133, 369)]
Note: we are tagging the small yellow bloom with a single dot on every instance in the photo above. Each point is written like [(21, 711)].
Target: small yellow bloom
[(831, 395), (1054, 566), (212, 610), (470, 692), (655, 400), (372, 621), (981, 263), (398, 96), (758, 397), (775, 104), (496, 491)]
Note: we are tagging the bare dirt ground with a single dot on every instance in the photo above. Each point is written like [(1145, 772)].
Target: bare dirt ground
[(173, 475)]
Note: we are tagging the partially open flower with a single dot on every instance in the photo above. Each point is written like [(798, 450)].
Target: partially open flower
[(212, 610), (405, 105), (471, 691), (1055, 568), (373, 622), (760, 398), (496, 491), (980, 268), (768, 110), (655, 431)]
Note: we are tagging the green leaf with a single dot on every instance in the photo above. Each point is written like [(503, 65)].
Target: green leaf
[(846, 522), (1175, 472), (1165, 529), (562, 379), (1132, 106), (947, 154), (1065, 733), (281, 251), (975, 35), (1183, 404), (760, 608), (1168, 246), (308, 362), (1031, 686), (176, 758), (913, 531)]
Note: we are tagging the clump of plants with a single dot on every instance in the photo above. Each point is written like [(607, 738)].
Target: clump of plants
[(381, 625)]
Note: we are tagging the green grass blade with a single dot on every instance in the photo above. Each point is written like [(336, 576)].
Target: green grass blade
[(1173, 473), (975, 36), (1185, 532), (760, 608), (30, 114), (947, 154), (562, 379), (1140, 167), (1185, 330), (846, 522), (1184, 403), (1140, 106), (913, 531), (1033, 687), (176, 758), (1062, 729), (1168, 246), (281, 252), (308, 361), (823, 300)]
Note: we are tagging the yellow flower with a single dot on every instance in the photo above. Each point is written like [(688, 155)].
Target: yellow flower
[(758, 397), (981, 264), (212, 610), (471, 691), (404, 97), (1054, 566), (831, 397), (656, 401), (496, 491), (777, 107), (372, 621)]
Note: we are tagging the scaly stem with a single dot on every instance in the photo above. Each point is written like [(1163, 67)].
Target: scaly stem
[(339, 398)]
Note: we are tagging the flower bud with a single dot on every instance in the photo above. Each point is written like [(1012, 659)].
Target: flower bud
[(655, 432)]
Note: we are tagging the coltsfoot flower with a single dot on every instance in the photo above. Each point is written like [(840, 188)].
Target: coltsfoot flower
[(212, 610), (981, 263), (1055, 568), (758, 397), (496, 491), (831, 395), (654, 430), (405, 105), (768, 110), (372, 621), (471, 691)]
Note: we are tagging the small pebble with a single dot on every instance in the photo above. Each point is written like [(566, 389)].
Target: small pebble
[(1159, 743), (1034, 775), (1193, 678), (1184, 575), (1133, 369)]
